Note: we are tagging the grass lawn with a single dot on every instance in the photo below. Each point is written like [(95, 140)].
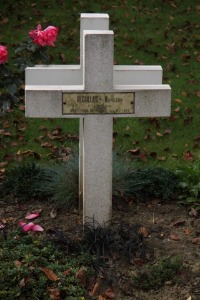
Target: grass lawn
[(149, 32)]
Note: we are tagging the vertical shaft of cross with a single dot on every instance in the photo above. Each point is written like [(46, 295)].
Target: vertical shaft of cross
[(88, 22), (97, 129)]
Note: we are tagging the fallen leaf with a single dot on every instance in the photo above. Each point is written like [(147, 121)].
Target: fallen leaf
[(54, 293), (109, 293), (49, 274), (177, 222), (143, 231), (3, 164), (178, 100), (67, 272), (175, 237), (46, 145), (177, 109), (187, 231), (23, 282), (95, 290), (188, 155), (53, 213), (193, 212), (18, 263), (162, 158), (159, 134), (80, 274), (196, 240), (101, 298)]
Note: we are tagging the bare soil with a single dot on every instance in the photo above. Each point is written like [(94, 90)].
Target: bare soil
[(171, 230)]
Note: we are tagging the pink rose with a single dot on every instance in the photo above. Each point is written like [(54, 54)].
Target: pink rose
[(37, 36), (51, 33), (44, 37), (3, 54)]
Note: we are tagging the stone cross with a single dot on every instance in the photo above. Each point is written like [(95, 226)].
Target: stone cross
[(95, 91)]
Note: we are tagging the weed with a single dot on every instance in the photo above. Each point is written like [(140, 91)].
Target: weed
[(189, 185), (156, 275)]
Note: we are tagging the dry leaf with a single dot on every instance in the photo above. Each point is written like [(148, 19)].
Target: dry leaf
[(178, 100), (50, 274), (177, 109), (174, 237), (188, 155), (67, 272), (187, 231), (143, 231), (159, 134), (109, 294), (80, 274), (101, 298), (193, 212), (196, 241), (18, 263), (95, 290), (54, 293), (53, 213), (23, 282), (177, 222)]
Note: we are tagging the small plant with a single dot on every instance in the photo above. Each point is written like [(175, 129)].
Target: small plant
[(59, 182), (21, 181), (189, 185), (152, 182), (31, 267), (100, 242), (155, 276)]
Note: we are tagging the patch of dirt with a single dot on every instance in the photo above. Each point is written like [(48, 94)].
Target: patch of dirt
[(171, 232)]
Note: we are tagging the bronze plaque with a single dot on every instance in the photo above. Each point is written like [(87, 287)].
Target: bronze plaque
[(98, 103)]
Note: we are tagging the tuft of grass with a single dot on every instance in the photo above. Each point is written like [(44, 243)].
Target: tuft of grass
[(59, 182), (22, 181), (156, 275)]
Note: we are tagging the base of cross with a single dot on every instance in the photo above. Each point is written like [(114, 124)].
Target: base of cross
[(96, 91)]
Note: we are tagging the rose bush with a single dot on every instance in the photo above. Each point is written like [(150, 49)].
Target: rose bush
[(30, 52)]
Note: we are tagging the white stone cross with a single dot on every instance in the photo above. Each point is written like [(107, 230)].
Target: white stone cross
[(46, 87)]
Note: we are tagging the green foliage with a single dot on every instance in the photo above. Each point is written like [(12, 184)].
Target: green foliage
[(22, 180), (152, 182), (22, 258), (59, 182), (144, 183), (156, 275), (189, 185)]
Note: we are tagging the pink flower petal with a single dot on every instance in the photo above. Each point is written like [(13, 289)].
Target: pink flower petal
[(26, 227), (32, 216), (37, 228)]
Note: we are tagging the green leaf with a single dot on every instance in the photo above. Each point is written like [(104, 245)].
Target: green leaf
[(12, 89)]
